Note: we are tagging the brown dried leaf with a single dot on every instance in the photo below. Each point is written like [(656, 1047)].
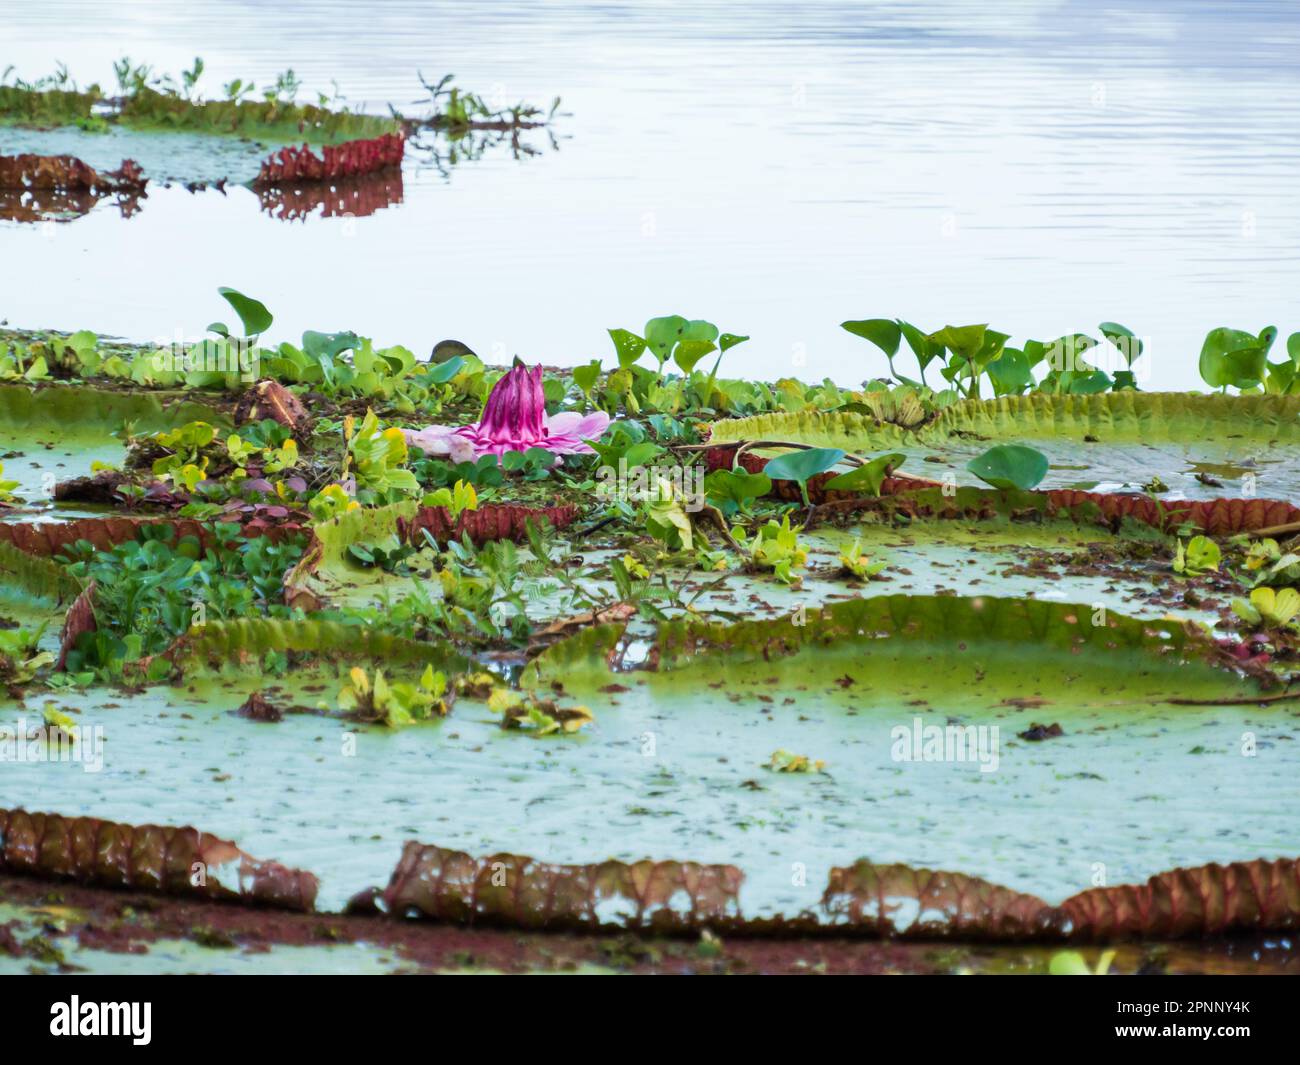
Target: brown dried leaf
[(271, 400)]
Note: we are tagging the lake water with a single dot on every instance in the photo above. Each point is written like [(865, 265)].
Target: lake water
[(775, 167)]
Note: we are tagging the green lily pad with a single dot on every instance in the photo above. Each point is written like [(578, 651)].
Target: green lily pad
[(1010, 466), (1121, 438)]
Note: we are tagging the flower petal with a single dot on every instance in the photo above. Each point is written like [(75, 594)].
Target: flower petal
[(432, 439), (569, 428)]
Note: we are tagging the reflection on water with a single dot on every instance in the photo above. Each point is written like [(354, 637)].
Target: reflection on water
[(356, 197), (442, 152), (61, 205), (1042, 165), (428, 150)]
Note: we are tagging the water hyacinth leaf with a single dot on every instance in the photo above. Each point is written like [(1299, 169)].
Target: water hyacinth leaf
[(990, 349), (252, 313), (729, 340), (1010, 372), (445, 371), (1126, 343), (733, 490), (698, 329), (641, 453), (628, 347), (869, 477), (1066, 354), (1235, 357), (689, 352), (1199, 555), (800, 466), (1010, 466), (662, 334), (328, 345), (923, 347), (885, 333), (585, 377), (1035, 351), (449, 349), (965, 341), (1089, 384), (553, 392)]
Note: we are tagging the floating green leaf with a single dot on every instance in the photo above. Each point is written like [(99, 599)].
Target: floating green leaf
[(800, 466), (868, 477), (1010, 466), (254, 315)]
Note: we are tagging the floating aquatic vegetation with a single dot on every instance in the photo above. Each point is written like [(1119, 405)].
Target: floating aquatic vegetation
[(723, 458), (518, 892), (49, 539), (146, 100), (296, 166), (69, 174), (38, 105), (401, 527), (620, 616), (1120, 439), (897, 900), (80, 620), (967, 354), (395, 703), (36, 188), (491, 521), (78, 410), (320, 143), (179, 861), (31, 575), (460, 111), (1121, 417), (1236, 358), (904, 501), (1130, 655), (243, 644), (1207, 900), (861, 899)]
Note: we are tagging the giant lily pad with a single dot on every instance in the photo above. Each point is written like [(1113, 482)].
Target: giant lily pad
[(57, 431), (1118, 439)]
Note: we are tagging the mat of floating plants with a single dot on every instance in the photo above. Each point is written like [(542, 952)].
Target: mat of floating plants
[(353, 633), (64, 149)]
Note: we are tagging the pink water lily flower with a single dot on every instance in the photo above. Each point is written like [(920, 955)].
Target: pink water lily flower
[(514, 419)]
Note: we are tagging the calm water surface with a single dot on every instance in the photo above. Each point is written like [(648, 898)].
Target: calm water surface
[(773, 167)]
